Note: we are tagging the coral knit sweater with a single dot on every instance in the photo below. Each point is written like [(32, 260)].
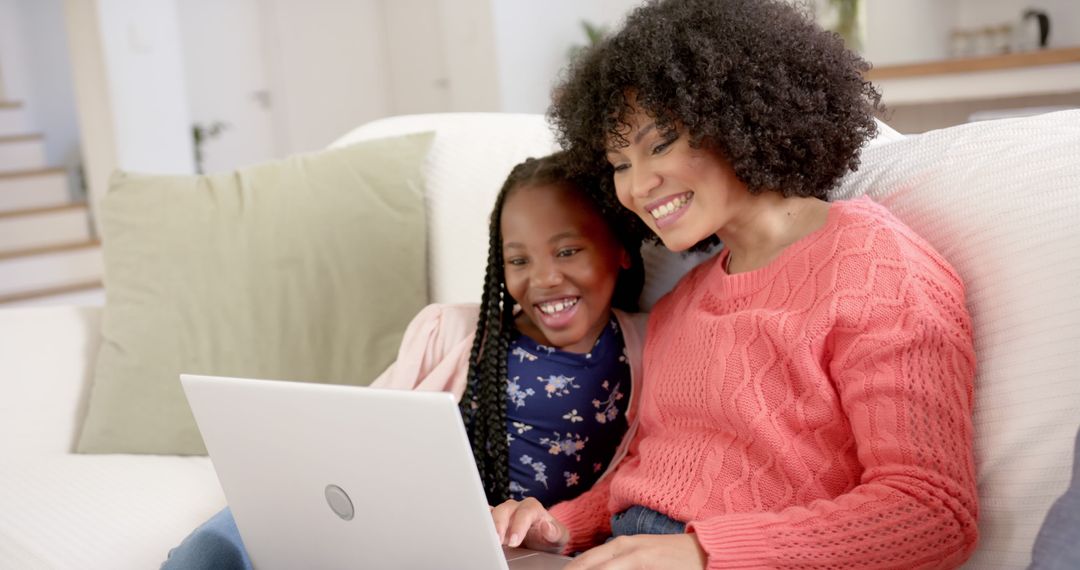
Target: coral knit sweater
[(813, 413)]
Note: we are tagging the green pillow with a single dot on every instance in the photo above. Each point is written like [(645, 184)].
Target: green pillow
[(305, 269)]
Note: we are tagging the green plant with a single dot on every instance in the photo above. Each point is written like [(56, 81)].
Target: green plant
[(593, 35), (201, 133), (848, 22)]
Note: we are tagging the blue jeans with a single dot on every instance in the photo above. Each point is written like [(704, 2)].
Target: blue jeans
[(642, 520), (1057, 546), (214, 545)]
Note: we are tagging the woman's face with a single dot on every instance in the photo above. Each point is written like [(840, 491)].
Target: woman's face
[(684, 194), (561, 263)]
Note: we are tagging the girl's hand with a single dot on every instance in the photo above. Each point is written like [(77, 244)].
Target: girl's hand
[(528, 524), (644, 551)]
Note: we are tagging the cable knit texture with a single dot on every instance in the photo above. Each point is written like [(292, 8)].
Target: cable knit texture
[(814, 413)]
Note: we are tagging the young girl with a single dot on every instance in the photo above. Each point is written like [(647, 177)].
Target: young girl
[(545, 367), (808, 392)]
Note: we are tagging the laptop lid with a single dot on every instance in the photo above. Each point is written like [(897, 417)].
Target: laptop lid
[(324, 476)]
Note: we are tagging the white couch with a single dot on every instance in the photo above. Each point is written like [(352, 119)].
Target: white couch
[(62, 510)]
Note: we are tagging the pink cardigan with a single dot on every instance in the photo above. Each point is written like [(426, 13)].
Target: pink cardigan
[(434, 355), (814, 413)]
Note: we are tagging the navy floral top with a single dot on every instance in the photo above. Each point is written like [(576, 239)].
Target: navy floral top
[(565, 414)]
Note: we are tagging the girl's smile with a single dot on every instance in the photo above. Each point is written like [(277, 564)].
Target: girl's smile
[(561, 264)]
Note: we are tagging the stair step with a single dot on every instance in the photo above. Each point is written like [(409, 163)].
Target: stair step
[(89, 293), (37, 188), (22, 152), (29, 272), (13, 118), (44, 227)]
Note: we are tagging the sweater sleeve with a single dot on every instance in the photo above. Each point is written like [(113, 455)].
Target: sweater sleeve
[(434, 351), (903, 370), (586, 517)]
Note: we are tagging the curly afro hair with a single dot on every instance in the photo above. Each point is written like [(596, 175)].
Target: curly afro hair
[(783, 100)]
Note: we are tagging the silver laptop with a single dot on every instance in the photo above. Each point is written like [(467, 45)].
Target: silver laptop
[(323, 476)]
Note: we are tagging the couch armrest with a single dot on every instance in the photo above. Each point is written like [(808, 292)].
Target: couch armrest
[(46, 363)]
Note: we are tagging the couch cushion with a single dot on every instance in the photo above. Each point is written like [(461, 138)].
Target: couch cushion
[(46, 358), (1001, 201), (304, 269), (470, 158), (101, 511)]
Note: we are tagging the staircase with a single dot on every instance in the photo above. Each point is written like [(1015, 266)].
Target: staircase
[(48, 253)]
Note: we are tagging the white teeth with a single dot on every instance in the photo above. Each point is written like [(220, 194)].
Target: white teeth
[(556, 306), (669, 207)]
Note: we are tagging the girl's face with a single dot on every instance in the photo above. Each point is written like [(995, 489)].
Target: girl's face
[(684, 194), (561, 263)]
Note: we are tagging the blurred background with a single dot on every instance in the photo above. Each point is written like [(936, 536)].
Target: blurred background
[(184, 86)]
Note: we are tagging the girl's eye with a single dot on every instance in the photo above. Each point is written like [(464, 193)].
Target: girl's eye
[(515, 261), (567, 252)]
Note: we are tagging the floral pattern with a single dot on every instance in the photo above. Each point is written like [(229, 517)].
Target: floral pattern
[(516, 394), (569, 444), (574, 431), (609, 409), (523, 354), (538, 468), (558, 385)]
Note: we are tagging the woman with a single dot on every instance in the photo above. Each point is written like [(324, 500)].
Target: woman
[(807, 393)]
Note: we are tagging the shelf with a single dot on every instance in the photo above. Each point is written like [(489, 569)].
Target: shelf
[(1041, 72), (987, 63)]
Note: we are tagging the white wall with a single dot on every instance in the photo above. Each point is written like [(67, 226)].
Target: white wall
[(140, 42), (912, 30), (470, 50), (50, 95), (12, 52), (129, 88), (226, 76), (36, 70), (440, 56), (532, 40), (419, 79), (327, 69)]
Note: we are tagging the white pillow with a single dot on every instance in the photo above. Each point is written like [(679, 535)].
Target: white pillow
[(469, 160), (1001, 201)]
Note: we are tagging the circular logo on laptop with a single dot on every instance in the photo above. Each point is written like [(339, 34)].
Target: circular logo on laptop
[(339, 502)]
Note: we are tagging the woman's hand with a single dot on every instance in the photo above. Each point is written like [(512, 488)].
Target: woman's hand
[(644, 551), (527, 523)]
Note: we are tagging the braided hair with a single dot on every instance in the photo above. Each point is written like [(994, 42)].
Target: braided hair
[(483, 404)]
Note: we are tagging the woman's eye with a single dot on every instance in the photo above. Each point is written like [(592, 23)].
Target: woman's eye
[(567, 252), (515, 261), (663, 145), (620, 167)]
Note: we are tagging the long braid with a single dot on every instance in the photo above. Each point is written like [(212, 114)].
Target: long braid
[(483, 404)]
